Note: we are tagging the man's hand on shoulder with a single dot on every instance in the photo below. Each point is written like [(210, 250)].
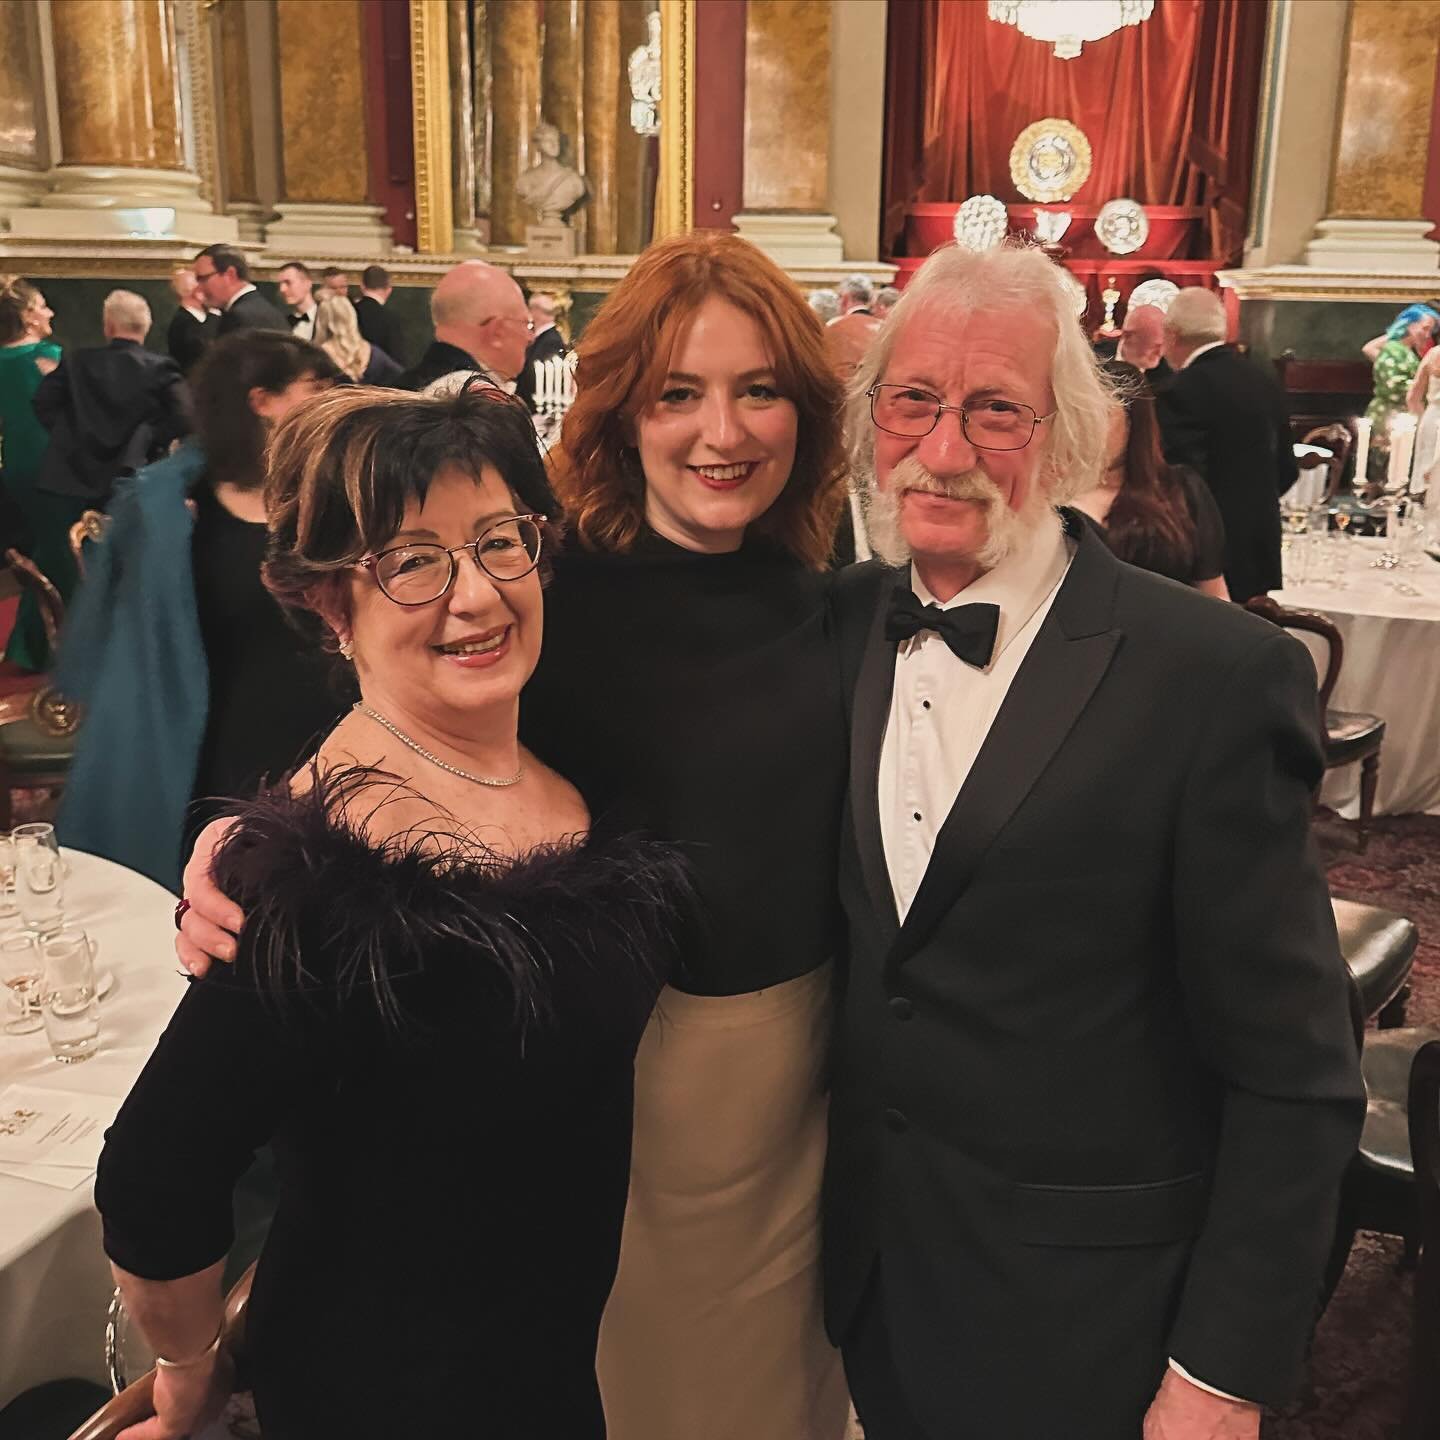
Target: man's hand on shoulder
[(1183, 1411), (209, 927)]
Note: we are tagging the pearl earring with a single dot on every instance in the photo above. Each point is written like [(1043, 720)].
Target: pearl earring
[(347, 649)]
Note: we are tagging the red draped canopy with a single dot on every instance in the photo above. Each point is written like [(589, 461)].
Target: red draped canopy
[(1169, 107)]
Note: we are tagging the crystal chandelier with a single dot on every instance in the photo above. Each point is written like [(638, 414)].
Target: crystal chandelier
[(1067, 24)]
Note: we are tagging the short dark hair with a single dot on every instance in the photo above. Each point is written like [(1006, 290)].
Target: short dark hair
[(227, 257), (328, 271), (343, 469), (375, 277), (232, 434), (299, 265)]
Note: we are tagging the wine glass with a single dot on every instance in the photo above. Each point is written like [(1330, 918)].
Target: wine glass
[(20, 972), (39, 878)]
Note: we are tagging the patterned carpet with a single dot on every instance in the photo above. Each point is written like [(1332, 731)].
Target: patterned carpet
[(1360, 1363)]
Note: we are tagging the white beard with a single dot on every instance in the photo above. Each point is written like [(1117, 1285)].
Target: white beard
[(1006, 530)]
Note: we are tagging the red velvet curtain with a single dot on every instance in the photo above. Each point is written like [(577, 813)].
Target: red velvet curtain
[(1169, 107)]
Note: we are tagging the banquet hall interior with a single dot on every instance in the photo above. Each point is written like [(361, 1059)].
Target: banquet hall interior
[(338, 163)]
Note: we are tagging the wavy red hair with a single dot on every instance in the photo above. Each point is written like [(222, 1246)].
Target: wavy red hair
[(624, 355)]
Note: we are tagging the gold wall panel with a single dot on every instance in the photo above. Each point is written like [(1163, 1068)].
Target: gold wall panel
[(1391, 53), (320, 45), (515, 81), (562, 86), (117, 83), (237, 124), (462, 112), (787, 105), (602, 119), (19, 104)]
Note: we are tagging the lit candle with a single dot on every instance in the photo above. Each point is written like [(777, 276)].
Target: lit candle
[(1402, 447), (1362, 449)]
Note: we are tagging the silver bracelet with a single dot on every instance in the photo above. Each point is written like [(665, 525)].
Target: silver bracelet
[(205, 1354)]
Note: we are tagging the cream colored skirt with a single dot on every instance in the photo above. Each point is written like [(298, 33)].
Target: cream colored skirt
[(713, 1331)]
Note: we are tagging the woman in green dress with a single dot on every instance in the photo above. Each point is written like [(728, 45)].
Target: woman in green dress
[(1395, 366), (27, 354)]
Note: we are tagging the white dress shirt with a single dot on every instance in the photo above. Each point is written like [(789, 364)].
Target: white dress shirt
[(1198, 351), (243, 290), (941, 709), (304, 326)]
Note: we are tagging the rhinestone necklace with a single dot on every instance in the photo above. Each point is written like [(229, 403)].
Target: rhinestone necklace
[(420, 750)]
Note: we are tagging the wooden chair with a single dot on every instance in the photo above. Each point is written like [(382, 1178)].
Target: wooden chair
[(1350, 736), (90, 529), (1424, 1119), (1338, 439), (135, 1403), (37, 724)]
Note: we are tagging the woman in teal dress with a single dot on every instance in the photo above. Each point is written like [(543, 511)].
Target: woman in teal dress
[(27, 354), (1395, 367)]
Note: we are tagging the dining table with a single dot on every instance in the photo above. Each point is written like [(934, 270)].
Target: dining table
[(55, 1283), (1389, 622)]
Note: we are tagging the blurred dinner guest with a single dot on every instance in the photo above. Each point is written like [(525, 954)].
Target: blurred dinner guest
[(192, 327), (297, 290), (435, 1008), (1095, 1083), (545, 343), (701, 471), (1423, 399), (481, 323), (856, 292), (222, 276), (35, 521), (376, 323), (1225, 417), (1157, 516), (335, 280), (1142, 344), (196, 687), (848, 337), (109, 410), (886, 299), (1395, 366), (825, 303), (337, 333)]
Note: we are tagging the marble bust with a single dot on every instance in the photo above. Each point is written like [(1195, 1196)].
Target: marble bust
[(549, 187)]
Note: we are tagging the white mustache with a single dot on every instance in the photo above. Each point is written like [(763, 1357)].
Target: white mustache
[(975, 485)]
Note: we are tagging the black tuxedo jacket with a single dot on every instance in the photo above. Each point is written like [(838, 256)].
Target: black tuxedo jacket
[(187, 337), (252, 311), (109, 411), (377, 325), (1226, 417), (1093, 1099), (544, 346), (440, 358)]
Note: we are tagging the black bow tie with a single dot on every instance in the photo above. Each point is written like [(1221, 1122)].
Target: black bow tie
[(969, 630)]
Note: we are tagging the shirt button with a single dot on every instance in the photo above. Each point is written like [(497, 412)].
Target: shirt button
[(896, 1122), (900, 1007), (917, 814), (924, 704)]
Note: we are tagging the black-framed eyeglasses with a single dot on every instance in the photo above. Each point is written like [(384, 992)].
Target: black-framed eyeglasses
[(419, 574), (992, 424)]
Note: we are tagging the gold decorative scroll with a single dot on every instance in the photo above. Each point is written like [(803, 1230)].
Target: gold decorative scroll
[(430, 86), (675, 192)]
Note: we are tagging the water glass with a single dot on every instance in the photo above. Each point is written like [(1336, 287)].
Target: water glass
[(20, 973), (68, 1003), (7, 874), (39, 878)]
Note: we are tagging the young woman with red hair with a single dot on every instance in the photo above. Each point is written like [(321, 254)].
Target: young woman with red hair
[(688, 687)]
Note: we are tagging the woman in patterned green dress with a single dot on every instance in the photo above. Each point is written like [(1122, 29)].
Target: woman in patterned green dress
[(27, 354), (1395, 368)]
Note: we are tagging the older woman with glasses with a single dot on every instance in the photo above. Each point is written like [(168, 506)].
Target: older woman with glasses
[(438, 997)]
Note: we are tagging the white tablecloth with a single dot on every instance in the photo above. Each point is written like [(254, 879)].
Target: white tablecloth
[(54, 1279), (1391, 669)]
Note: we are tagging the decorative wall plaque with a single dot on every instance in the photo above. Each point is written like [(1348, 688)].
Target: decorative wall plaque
[(1050, 160), (1158, 293), (981, 223), (1122, 226)]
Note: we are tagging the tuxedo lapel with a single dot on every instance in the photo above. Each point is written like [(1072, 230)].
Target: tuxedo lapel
[(873, 690), (1067, 660)]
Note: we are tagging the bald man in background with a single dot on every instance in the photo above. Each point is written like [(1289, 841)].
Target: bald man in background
[(1142, 344), (481, 323)]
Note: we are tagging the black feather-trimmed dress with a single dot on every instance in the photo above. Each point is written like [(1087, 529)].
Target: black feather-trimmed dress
[(439, 1045)]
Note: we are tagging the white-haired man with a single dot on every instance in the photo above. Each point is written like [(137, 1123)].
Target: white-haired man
[(110, 409), (481, 323), (1226, 417), (1095, 1082)]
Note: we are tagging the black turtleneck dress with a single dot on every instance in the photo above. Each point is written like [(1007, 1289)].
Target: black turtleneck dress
[(697, 698)]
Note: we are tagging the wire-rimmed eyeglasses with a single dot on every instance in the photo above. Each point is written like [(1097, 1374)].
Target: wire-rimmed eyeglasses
[(992, 424), (420, 573)]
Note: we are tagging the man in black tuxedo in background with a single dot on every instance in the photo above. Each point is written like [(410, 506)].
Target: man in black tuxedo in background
[(1095, 1082), (376, 324), (546, 343), (297, 290), (192, 327), (222, 276), (1226, 417), (109, 410), (481, 324)]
